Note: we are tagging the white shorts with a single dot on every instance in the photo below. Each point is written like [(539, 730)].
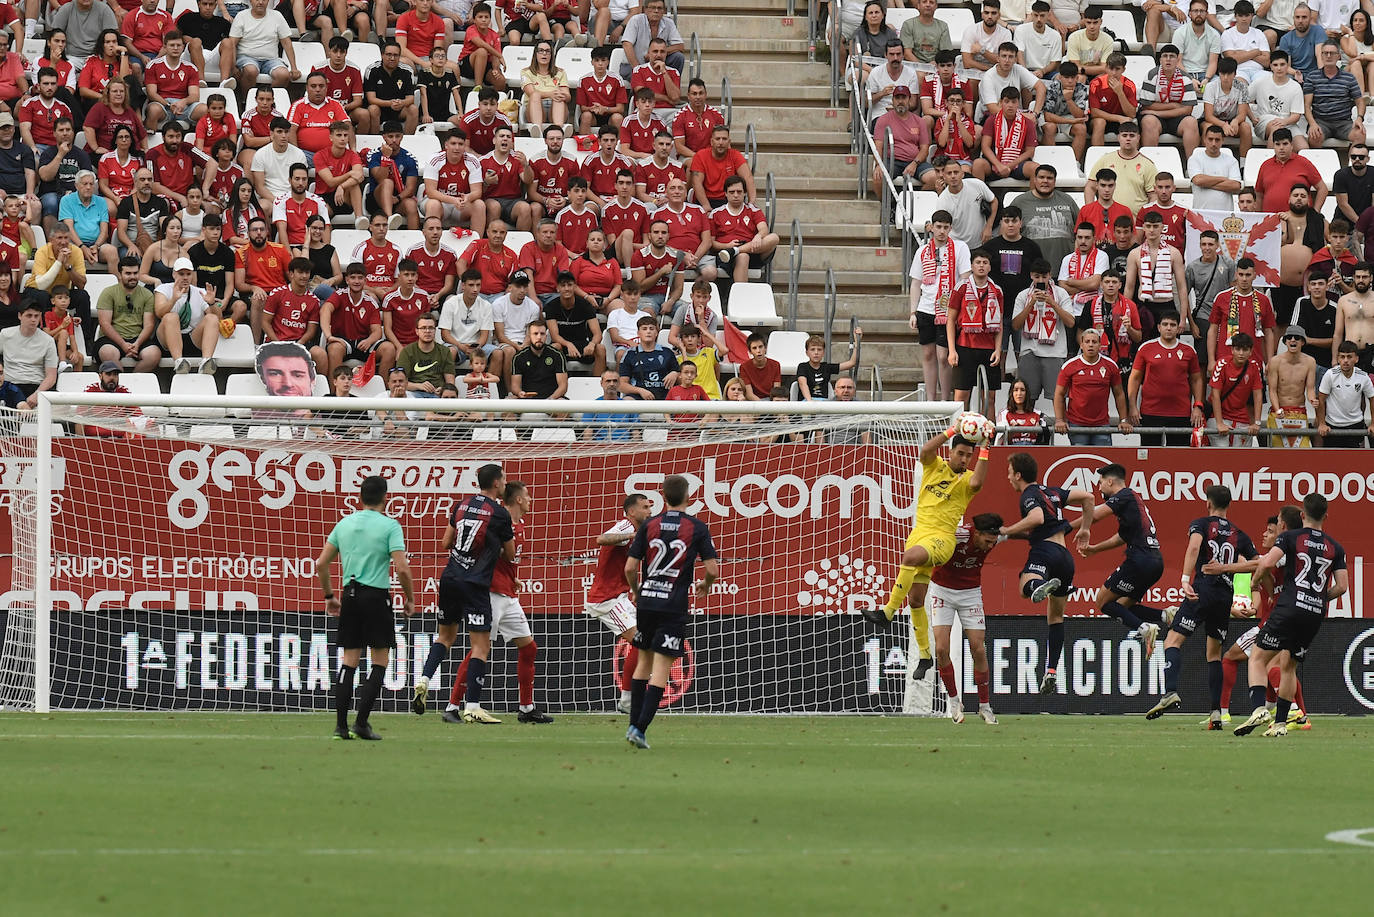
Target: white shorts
[(944, 605), (618, 614), (1246, 641), (508, 619)]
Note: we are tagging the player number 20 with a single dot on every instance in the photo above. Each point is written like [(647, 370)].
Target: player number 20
[(665, 557)]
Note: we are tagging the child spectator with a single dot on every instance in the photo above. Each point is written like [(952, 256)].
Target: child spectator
[(648, 369), (62, 326), (814, 375), (624, 323), (759, 374), (601, 97), (686, 389), (705, 361), (480, 60)]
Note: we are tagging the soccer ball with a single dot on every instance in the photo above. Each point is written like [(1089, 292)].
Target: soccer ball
[(971, 426), (1241, 606)]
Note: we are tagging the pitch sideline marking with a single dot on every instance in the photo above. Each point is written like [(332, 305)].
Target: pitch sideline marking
[(1354, 836)]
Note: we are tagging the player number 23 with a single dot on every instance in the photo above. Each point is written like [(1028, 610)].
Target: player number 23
[(665, 557)]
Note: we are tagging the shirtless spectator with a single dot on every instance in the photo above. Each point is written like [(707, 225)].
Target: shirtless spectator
[(1292, 387), (1355, 319)]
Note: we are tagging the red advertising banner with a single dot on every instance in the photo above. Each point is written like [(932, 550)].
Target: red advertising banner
[(802, 530)]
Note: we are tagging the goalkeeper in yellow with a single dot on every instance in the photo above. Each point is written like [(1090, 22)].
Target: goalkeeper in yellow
[(946, 489)]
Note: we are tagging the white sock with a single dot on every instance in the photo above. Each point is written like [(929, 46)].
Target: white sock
[(625, 695), (526, 708), (451, 707), (469, 705)]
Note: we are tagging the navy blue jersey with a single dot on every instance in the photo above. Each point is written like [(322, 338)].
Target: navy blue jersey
[(1133, 522), (1049, 500), (649, 369), (481, 526), (671, 541), (1312, 558), (1223, 543)]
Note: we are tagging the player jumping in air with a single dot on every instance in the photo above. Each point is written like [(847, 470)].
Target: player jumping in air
[(479, 531), (947, 488), (956, 590), (1316, 575), (1048, 573), (1265, 592), (608, 600), (668, 545), (507, 618), (1207, 599), (1143, 564)]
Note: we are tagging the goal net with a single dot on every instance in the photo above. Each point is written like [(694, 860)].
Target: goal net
[(164, 554)]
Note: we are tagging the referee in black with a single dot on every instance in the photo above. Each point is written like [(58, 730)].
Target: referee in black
[(368, 542)]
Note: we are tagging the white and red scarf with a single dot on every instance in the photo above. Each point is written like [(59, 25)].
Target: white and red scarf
[(1009, 140), (938, 269)]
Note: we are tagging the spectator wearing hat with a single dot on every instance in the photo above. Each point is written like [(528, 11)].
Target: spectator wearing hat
[(511, 313), (1292, 377), (107, 384), (18, 167), (188, 319), (29, 356), (910, 142)]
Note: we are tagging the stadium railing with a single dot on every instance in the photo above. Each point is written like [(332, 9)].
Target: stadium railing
[(795, 247), (875, 383)]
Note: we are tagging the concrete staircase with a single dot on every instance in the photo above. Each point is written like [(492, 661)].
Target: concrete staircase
[(804, 143)]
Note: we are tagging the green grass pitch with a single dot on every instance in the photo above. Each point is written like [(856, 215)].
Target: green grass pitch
[(262, 814)]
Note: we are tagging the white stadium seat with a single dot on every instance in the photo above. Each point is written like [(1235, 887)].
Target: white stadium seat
[(896, 17), (237, 350), (1253, 160), (924, 205), (958, 19), (1121, 23), (788, 348), (577, 62), (517, 57), (1068, 173), (1168, 159), (752, 305), (309, 55), (584, 388), (1138, 67), (196, 384), (76, 382)]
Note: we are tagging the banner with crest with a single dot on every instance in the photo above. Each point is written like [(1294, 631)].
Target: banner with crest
[(1243, 235)]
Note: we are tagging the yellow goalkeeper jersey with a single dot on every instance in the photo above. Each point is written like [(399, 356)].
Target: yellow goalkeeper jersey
[(943, 499)]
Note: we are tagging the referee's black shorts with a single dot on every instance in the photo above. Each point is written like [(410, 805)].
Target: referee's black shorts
[(366, 619)]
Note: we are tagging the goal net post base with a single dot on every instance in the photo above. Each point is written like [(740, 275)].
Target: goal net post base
[(164, 546)]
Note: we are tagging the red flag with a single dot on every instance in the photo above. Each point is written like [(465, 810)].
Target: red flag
[(736, 343), (364, 373)]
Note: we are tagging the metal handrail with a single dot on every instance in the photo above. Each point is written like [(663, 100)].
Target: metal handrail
[(751, 146), (875, 384), (727, 100), (832, 304), (770, 206), (672, 9), (867, 153), (794, 273), (694, 55)]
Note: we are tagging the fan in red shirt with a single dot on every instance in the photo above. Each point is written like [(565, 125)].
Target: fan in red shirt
[(291, 210), (624, 219), (173, 85), (438, 266), (1278, 175), (503, 185), (418, 30), (692, 125), (39, 113), (956, 592), (689, 227), (577, 219), (481, 123), (340, 173), (547, 176), (1105, 93), (1236, 386), (404, 305), (378, 257), (344, 84), (352, 325), (1175, 216), (653, 174), (1167, 378), (216, 125), (490, 258), (601, 97), (1103, 213), (545, 257), (739, 232), (686, 389), (597, 275), (601, 168), (1081, 393), (312, 116), (292, 313), (608, 599), (974, 330), (1240, 309), (175, 165), (1114, 317), (637, 132), (655, 266), (656, 75), (759, 374), (144, 27), (713, 165)]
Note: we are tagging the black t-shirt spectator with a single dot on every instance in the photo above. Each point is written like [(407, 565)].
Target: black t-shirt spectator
[(210, 268), (439, 92), (1116, 258), (75, 160), (817, 378), (210, 31), (574, 325), (13, 162), (153, 211), (1318, 323), (538, 372), (1359, 188), (398, 84), (322, 260), (1010, 266)]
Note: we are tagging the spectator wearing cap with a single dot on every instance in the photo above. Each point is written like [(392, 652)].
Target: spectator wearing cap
[(188, 319), (29, 355), (107, 383), (1135, 172), (1292, 376), (18, 167), (511, 312), (126, 313), (884, 80), (910, 142)]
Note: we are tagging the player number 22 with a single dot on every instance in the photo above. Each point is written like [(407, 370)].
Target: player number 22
[(665, 558)]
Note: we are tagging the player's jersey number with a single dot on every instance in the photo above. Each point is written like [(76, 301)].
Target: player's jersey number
[(465, 533), (1223, 552), (1312, 573), (665, 559)]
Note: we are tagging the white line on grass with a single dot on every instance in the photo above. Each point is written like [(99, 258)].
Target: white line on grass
[(1353, 836)]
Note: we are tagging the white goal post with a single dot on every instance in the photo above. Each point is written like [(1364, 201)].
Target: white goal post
[(168, 563)]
